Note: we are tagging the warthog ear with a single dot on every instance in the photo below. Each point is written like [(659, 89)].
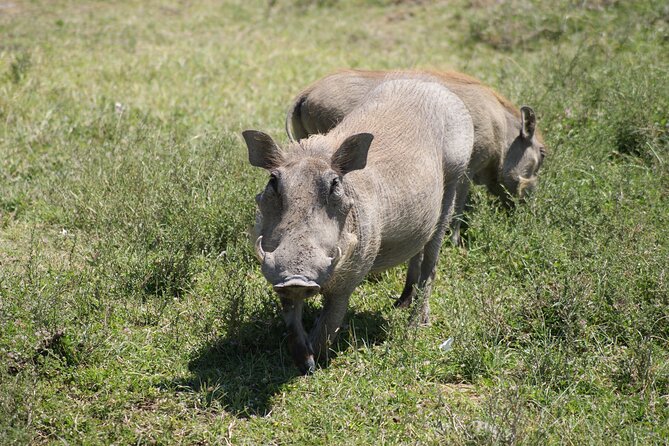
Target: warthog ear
[(263, 151), (528, 122), (352, 154)]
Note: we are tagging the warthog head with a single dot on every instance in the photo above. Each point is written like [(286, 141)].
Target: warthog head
[(301, 227), (524, 158)]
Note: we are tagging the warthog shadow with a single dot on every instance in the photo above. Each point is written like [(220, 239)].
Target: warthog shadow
[(243, 372)]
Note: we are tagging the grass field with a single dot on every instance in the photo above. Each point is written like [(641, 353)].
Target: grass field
[(132, 310)]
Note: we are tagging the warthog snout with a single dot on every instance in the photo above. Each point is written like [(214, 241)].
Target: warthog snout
[(297, 286), (294, 278)]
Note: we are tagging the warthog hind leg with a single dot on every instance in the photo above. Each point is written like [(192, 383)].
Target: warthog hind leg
[(430, 256), (413, 276), (460, 201)]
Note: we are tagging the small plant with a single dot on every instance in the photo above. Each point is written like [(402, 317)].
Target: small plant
[(19, 67)]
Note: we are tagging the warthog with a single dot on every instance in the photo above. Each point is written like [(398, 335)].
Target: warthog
[(374, 192), (508, 151)]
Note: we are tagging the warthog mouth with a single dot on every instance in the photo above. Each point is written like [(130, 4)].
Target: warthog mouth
[(297, 286)]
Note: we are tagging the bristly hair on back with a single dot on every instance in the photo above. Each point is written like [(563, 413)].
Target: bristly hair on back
[(448, 76)]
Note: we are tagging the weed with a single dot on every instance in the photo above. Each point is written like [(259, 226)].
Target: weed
[(19, 67)]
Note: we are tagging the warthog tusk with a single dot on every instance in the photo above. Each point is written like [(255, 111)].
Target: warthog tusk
[(337, 257), (259, 251)]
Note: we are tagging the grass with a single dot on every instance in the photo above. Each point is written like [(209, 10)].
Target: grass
[(132, 309)]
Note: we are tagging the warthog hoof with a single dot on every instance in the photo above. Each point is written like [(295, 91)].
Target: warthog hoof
[(303, 358), (308, 366), (404, 301)]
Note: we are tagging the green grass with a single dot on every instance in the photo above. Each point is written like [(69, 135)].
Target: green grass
[(132, 309)]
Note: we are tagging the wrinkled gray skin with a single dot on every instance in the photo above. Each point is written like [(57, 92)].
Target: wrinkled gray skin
[(374, 192), (507, 152)]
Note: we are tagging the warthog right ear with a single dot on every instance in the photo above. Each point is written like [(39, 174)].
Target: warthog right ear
[(528, 122), (352, 154), (263, 151)]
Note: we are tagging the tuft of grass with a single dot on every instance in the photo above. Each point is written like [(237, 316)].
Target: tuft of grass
[(19, 67)]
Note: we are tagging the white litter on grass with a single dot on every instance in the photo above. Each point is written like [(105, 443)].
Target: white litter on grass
[(446, 345)]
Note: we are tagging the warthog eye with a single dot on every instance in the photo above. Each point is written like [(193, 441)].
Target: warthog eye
[(274, 182), (335, 187)]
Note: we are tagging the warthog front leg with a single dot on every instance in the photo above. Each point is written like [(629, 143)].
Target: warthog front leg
[(298, 342), (327, 327)]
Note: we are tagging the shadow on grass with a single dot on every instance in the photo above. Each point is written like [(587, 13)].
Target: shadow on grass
[(244, 372)]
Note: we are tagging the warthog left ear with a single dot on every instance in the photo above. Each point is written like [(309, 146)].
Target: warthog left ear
[(352, 154), (528, 122), (263, 151)]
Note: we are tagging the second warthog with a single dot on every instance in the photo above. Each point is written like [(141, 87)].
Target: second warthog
[(508, 150), (376, 191)]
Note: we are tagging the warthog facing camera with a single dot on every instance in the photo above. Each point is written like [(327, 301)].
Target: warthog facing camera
[(376, 191)]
